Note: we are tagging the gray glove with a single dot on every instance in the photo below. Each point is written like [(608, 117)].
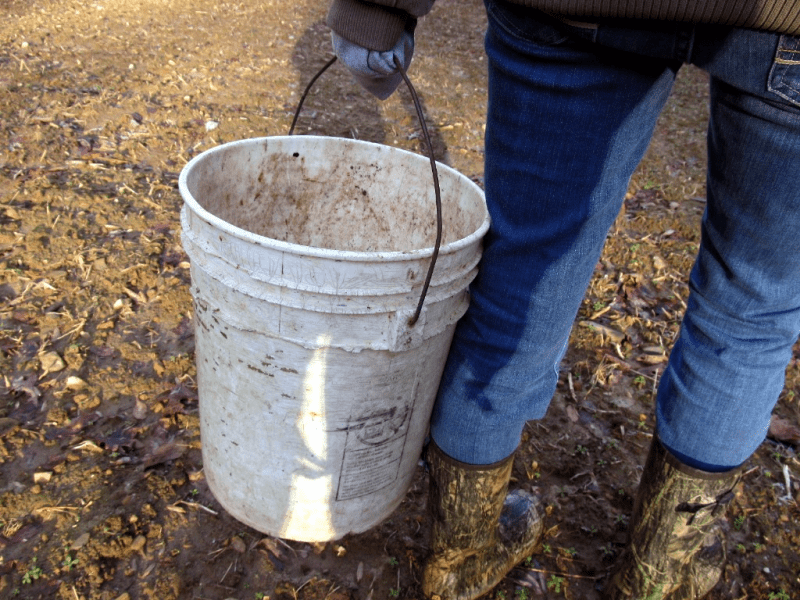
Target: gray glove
[(374, 70)]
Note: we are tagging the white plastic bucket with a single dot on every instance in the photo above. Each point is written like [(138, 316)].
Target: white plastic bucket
[(308, 255)]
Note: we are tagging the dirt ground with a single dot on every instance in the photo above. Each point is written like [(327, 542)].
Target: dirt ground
[(102, 490)]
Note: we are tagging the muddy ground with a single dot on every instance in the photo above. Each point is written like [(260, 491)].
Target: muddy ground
[(102, 490)]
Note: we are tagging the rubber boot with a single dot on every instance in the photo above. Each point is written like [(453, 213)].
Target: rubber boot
[(675, 550), (478, 533)]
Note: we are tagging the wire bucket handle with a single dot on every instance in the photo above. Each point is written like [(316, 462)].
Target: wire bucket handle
[(412, 321)]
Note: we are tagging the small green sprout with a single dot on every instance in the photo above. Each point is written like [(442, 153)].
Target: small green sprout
[(738, 522), (32, 574), (554, 583), (69, 562)]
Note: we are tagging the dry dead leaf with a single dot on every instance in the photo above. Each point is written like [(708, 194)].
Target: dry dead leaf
[(164, 453), (139, 410), (80, 542), (783, 430), (612, 334), (238, 545), (572, 413), (271, 546)]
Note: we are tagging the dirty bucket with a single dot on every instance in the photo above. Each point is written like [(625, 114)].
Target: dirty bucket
[(308, 255)]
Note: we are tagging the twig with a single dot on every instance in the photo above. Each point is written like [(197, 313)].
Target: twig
[(280, 541), (307, 581), (571, 386), (748, 472), (546, 572), (655, 383), (46, 511), (196, 505), (228, 570), (333, 589), (625, 365), (788, 482)]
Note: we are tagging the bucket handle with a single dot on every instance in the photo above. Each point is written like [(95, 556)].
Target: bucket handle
[(415, 317)]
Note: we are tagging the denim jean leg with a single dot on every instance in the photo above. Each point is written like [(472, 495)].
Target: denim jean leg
[(727, 367), (566, 127)]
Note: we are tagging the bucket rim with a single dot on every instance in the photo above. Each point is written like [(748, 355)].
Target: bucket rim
[(328, 253)]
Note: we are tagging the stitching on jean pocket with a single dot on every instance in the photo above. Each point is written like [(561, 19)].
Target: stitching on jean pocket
[(784, 76)]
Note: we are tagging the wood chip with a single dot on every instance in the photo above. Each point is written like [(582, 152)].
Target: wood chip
[(652, 359), (42, 477), (51, 363), (138, 543), (75, 383)]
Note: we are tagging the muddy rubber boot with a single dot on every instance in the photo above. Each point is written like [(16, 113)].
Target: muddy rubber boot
[(675, 550), (478, 532)]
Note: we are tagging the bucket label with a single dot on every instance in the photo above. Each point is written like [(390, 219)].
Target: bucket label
[(373, 451)]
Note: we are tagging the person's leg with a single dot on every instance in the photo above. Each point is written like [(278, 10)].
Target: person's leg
[(727, 367), (567, 124)]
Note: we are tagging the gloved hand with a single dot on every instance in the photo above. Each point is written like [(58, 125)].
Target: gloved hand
[(376, 71)]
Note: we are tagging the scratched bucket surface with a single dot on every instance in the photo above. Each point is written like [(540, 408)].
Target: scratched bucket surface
[(308, 256)]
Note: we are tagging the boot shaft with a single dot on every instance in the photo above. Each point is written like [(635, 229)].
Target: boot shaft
[(673, 527), (478, 532), (465, 500), (676, 505)]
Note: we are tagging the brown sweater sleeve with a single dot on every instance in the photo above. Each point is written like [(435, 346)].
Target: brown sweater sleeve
[(367, 24)]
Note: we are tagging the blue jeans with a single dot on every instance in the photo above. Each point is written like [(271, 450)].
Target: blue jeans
[(571, 112)]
